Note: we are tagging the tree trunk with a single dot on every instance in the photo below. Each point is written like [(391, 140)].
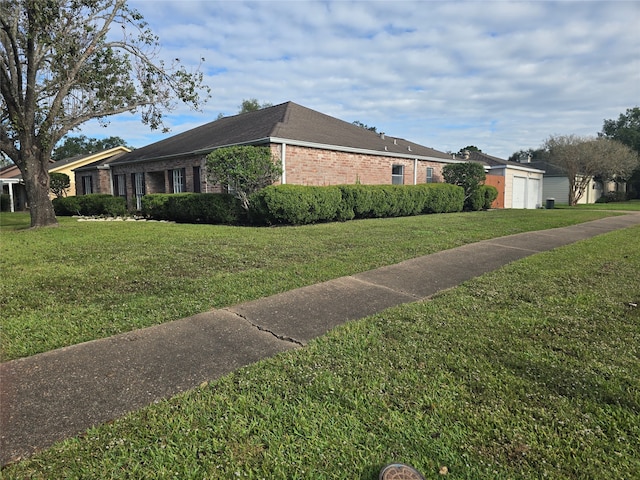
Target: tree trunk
[(36, 180)]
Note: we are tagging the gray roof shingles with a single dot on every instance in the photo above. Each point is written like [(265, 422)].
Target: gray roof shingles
[(287, 121)]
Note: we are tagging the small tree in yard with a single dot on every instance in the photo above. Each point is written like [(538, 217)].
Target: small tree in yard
[(243, 170), (468, 175), (59, 183), (583, 158), (65, 62)]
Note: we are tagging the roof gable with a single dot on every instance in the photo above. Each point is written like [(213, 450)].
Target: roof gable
[(287, 122)]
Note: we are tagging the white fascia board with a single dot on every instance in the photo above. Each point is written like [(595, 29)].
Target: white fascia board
[(517, 167), (363, 151), (299, 143)]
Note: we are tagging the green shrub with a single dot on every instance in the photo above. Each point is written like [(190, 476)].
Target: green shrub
[(442, 198), (66, 206), (154, 205), (93, 204), (5, 202), (102, 204), (299, 205), (295, 205), (613, 197), (211, 208), (490, 194)]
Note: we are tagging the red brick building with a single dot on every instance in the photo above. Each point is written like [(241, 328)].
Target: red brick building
[(314, 149)]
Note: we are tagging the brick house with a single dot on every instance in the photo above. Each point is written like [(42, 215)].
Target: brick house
[(314, 149)]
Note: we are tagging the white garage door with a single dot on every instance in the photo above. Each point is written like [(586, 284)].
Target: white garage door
[(519, 192), (533, 188), (526, 192)]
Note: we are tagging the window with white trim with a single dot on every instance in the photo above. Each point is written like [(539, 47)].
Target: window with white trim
[(429, 174), (119, 186), (87, 185), (178, 181), (397, 174)]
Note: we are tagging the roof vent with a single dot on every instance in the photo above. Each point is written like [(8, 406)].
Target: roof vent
[(395, 141), (385, 148), (382, 135), (409, 147)]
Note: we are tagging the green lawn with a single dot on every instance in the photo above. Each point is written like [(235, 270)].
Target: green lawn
[(88, 280), (527, 372), (630, 206)]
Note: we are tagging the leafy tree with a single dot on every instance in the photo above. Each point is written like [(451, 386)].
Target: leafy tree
[(72, 146), (469, 175), (366, 127), (469, 148), (243, 170), (523, 156), (60, 66), (585, 158), (252, 104), (626, 129), (59, 183)]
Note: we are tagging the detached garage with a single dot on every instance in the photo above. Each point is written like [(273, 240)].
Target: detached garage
[(522, 184)]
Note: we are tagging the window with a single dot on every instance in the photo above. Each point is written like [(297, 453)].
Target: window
[(119, 186), (397, 174), (139, 188), (87, 185), (429, 174), (196, 180), (177, 180)]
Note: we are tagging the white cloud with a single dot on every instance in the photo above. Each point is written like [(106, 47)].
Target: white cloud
[(500, 75)]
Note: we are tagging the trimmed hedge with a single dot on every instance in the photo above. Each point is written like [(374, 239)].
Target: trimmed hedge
[(93, 204), (481, 198), (211, 208), (294, 205), (299, 205), (5, 202)]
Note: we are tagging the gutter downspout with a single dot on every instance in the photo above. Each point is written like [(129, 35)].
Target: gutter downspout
[(415, 171), (283, 163)]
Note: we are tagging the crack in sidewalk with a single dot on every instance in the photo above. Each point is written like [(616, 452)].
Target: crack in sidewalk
[(266, 330)]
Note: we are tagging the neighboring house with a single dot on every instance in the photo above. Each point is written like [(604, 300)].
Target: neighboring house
[(314, 149), (12, 184), (519, 185), (556, 184)]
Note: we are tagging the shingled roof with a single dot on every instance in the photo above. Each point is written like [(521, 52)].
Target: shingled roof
[(492, 161), (287, 122)]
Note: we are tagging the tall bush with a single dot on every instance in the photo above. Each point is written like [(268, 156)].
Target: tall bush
[(469, 176)]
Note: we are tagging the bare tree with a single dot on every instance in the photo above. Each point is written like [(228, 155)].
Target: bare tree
[(62, 63), (583, 158)]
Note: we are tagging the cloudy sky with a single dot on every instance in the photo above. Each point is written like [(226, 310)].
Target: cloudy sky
[(499, 75)]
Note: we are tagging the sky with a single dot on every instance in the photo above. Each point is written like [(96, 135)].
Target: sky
[(499, 75)]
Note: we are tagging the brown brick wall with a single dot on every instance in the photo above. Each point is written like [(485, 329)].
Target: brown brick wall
[(312, 166), (304, 166)]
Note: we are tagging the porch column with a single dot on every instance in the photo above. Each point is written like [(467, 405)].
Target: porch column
[(12, 206)]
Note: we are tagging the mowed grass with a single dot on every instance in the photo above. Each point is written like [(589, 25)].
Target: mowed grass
[(88, 280), (528, 372), (629, 206)]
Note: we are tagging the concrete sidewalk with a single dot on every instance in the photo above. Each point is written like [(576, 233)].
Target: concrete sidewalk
[(59, 394)]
